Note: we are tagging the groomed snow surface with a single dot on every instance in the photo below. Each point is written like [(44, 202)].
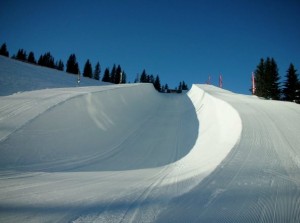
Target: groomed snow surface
[(126, 153)]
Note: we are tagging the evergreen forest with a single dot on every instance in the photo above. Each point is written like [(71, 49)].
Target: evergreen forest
[(269, 86), (116, 75)]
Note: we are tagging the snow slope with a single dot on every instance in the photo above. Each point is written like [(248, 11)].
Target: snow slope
[(259, 181), (126, 153), (17, 76)]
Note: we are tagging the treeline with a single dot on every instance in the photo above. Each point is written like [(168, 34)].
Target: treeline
[(268, 85), (155, 80), (146, 78), (116, 75)]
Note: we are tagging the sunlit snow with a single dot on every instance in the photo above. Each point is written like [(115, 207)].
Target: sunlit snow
[(126, 153)]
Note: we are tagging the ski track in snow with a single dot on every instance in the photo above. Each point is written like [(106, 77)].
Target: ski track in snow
[(126, 153)]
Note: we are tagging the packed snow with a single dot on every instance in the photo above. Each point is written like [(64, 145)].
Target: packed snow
[(17, 76), (126, 153)]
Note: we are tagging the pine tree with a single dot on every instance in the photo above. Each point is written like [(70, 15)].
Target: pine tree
[(46, 60), (259, 81), (267, 79), (184, 86), (143, 78), (72, 65), (106, 76), (180, 86), (21, 55), (97, 71), (60, 65), (118, 74), (156, 83), (31, 58), (3, 50), (41, 61), (87, 71), (113, 74), (49, 60), (275, 92), (291, 84)]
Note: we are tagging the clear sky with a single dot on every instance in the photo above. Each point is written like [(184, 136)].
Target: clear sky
[(177, 39)]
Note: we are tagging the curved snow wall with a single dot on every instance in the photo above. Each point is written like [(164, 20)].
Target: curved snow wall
[(105, 128), (219, 131)]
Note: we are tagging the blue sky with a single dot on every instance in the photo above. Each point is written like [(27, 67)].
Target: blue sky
[(178, 40)]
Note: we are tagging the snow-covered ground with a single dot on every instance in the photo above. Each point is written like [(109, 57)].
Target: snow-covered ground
[(259, 181), (126, 153), (17, 76)]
